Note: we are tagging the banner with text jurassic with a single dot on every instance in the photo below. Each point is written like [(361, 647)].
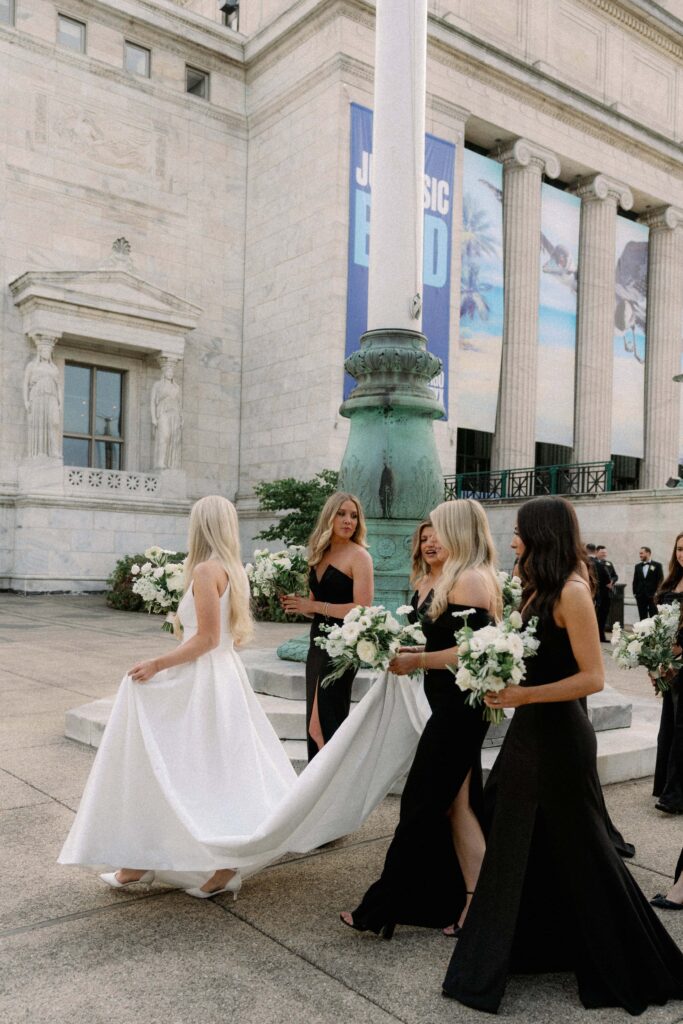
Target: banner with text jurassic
[(630, 311), (438, 225), (477, 367), (559, 255)]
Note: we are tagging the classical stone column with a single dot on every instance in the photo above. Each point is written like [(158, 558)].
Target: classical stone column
[(600, 197), (523, 165), (663, 347)]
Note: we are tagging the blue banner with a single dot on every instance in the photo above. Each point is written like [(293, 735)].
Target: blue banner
[(438, 223)]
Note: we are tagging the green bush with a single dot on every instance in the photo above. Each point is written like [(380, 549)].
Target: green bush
[(119, 593), (297, 502)]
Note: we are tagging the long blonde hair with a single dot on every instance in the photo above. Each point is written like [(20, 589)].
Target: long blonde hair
[(321, 538), (214, 533), (463, 530), (418, 566)]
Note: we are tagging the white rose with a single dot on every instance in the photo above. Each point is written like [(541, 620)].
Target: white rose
[(405, 609), (464, 678), (515, 620), (174, 583), (335, 648), (158, 572), (495, 683), (367, 651), (516, 675), (644, 627), (352, 615), (146, 567), (634, 647), (134, 569), (350, 631), (391, 624)]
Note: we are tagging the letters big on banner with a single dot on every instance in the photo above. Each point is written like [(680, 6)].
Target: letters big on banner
[(438, 221)]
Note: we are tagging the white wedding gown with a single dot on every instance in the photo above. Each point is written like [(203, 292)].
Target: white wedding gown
[(190, 776)]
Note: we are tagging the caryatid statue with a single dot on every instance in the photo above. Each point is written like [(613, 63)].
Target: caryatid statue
[(167, 417), (43, 401)]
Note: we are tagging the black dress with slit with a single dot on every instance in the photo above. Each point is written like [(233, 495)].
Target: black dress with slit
[(668, 780), (334, 701), (421, 882), (553, 893)]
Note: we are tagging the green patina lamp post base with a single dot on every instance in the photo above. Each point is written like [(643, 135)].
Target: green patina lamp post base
[(391, 462)]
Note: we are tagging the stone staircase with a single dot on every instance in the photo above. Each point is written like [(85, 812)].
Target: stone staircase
[(626, 731)]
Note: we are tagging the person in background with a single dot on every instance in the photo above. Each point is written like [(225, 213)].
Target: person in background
[(606, 600), (647, 578), (601, 592)]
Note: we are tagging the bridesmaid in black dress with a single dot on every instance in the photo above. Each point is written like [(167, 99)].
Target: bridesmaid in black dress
[(340, 578), (553, 894), (668, 781), (433, 861)]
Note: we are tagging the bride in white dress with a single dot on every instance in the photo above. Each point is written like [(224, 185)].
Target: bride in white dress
[(191, 785), (188, 754)]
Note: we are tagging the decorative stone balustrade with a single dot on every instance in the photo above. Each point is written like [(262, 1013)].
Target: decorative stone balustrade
[(110, 481)]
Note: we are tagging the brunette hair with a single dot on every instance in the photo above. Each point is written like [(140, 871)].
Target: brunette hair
[(675, 573), (553, 550), (321, 538), (418, 566)]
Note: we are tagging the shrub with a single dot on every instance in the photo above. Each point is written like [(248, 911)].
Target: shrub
[(297, 502)]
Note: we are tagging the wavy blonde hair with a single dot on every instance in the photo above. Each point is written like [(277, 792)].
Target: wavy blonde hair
[(214, 534), (418, 566), (463, 531), (321, 538)]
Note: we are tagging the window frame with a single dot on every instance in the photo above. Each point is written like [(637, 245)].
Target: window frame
[(138, 46), (207, 78), (75, 21), (92, 437), (11, 22)]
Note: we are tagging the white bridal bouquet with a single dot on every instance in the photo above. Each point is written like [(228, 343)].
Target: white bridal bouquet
[(650, 644), (511, 587), (492, 658), (368, 636), (278, 572), (159, 582)]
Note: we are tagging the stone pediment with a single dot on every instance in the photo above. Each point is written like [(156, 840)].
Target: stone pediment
[(109, 306)]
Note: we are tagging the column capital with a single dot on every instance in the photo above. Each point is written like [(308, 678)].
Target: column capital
[(44, 339), (601, 187), (523, 153), (663, 218)]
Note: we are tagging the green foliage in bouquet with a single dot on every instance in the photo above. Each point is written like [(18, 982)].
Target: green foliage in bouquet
[(298, 503), (120, 593)]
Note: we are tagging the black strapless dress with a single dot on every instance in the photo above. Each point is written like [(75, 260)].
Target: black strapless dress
[(421, 883), (334, 701), (553, 893), (668, 781)]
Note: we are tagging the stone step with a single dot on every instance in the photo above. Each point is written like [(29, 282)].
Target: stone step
[(287, 679)]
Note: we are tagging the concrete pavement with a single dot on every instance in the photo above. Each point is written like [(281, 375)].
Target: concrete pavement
[(73, 951)]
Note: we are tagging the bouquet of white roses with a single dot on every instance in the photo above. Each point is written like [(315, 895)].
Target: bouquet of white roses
[(511, 587), (159, 582), (278, 572), (368, 636), (650, 644), (491, 658)]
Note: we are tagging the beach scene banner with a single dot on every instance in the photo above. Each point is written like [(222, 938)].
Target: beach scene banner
[(481, 297), (559, 253), (630, 312), (438, 235)]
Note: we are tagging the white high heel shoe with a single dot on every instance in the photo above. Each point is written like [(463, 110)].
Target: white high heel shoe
[(233, 886), (110, 878)]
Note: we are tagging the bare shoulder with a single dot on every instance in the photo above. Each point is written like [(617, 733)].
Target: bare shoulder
[(210, 572), (471, 588), (575, 598), (360, 556)]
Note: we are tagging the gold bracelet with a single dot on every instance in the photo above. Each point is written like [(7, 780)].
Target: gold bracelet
[(326, 609), (423, 661)]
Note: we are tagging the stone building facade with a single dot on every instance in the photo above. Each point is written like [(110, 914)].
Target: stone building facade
[(174, 245)]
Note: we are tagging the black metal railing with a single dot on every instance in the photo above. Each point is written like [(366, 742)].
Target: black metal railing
[(518, 484)]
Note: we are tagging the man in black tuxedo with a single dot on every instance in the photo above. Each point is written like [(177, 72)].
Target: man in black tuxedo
[(608, 587), (601, 579), (647, 578)]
